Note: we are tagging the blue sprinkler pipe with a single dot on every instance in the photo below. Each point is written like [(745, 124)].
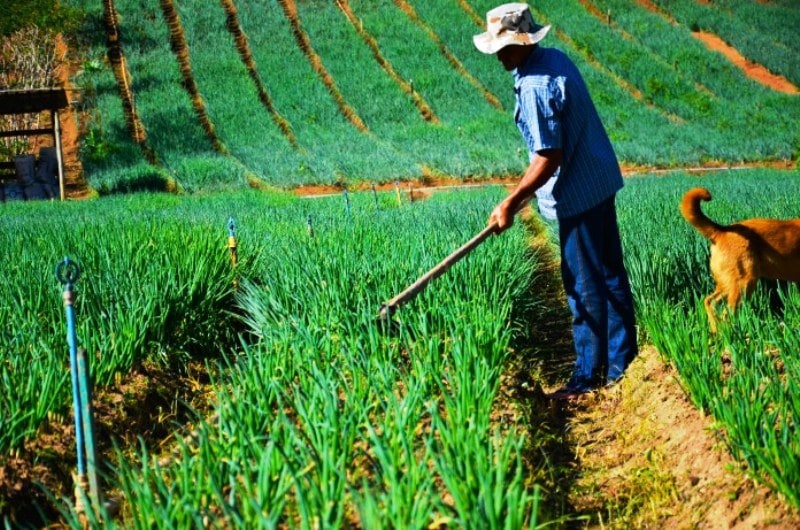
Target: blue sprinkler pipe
[(346, 202), (68, 272)]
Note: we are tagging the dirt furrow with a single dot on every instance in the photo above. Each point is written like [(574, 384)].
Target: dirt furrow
[(445, 51), (424, 108), (243, 47), (290, 10)]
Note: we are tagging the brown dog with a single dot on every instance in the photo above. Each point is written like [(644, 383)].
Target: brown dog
[(743, 252)]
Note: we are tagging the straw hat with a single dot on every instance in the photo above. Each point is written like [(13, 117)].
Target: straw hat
[(509, 24)]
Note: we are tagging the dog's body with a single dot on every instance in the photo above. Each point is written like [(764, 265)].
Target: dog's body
[(743, 252)]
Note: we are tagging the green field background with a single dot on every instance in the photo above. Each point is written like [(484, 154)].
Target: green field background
[(665, 98)]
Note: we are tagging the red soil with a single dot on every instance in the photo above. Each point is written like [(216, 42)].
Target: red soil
[(752, 70), (430, 184), (713, 42), (74, 182)]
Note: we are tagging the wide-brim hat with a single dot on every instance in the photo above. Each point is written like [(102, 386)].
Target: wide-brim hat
[(509, 24)]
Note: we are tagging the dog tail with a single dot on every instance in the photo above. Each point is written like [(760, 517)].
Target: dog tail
[(690, 208)]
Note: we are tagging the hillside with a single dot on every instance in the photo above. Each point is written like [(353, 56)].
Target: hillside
[(310, 92)]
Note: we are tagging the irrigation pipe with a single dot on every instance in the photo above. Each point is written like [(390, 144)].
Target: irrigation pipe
[(627, 174), (67, 273)]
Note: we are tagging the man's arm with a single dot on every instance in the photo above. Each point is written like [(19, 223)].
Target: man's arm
[(541, 168)]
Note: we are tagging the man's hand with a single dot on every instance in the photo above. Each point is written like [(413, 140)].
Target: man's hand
[(502, 216), (541, 168)]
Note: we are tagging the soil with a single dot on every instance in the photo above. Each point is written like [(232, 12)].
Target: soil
[(647, 452), (429, 184), (752, 70), (149, 403), (74, 182)]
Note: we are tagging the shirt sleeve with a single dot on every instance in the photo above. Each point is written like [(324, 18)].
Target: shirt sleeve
[(540, 108)]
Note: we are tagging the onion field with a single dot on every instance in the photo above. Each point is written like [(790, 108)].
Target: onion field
[(322, 416), (287, 92), (200, 119)]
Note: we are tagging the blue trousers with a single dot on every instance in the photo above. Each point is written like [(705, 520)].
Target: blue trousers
[(599, 296)]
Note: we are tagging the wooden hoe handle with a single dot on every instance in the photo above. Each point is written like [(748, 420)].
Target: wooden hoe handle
[(412, 290)]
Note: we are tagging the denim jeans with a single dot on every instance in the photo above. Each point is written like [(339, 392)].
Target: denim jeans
[(599, 296)]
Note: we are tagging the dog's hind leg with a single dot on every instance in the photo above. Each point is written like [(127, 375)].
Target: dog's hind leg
[(743, 289), (711, 311)]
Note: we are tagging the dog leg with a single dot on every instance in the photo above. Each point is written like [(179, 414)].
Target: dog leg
[(711, 311), (744, 289)]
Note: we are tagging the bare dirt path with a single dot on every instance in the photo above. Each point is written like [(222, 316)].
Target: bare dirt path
[(430, 184), (752, 70), (649, 458)]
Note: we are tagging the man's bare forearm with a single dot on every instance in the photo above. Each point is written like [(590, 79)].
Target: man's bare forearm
[(541, 168)]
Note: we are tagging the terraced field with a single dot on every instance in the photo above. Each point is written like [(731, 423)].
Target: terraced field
[(262, 393), (293, 92)]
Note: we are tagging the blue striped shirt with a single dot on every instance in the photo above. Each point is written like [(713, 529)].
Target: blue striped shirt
[(554, 110)]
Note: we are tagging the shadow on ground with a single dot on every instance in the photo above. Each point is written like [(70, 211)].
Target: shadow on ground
[(542, 361)]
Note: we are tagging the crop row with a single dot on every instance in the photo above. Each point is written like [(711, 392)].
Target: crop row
[(749, 29), (746, 375), (321, 416), (663, 73), (665, 98), (154, 285)]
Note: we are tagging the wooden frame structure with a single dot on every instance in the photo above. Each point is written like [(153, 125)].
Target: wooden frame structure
[(31, 101)]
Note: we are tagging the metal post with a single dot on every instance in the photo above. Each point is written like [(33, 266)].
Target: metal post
[(375, 197), (59, 157), (310, 226), (346, 202)]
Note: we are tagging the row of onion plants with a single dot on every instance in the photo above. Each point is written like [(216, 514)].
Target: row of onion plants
[(327, 419), (735, 24), (155, 280), (745, 375)]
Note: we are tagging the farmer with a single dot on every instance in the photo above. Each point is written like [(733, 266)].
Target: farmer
[(575, 176)]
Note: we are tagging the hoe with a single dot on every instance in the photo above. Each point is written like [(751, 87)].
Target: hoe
[(388, 308)]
